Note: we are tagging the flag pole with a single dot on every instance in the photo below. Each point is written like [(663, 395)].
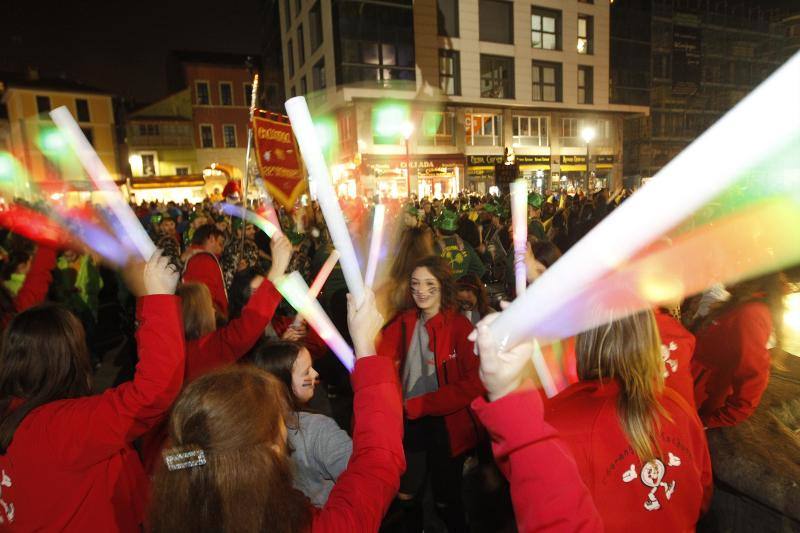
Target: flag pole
[(246, 178)]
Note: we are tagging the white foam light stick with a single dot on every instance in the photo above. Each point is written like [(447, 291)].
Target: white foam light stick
[(375, 244), (319, 280), (688, 182), (91, 162), (307, 140), (543, 371), (254, 218), (519, 221), (295, 290)]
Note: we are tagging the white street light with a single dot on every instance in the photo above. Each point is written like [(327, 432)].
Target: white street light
[(406, 129), (588, 134)]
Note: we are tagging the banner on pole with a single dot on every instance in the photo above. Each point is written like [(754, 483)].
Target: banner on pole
[(278, 157)]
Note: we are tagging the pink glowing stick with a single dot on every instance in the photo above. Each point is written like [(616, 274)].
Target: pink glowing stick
[(375, 244), (319, 281), (519, 221), (295, 290), (126, 219)]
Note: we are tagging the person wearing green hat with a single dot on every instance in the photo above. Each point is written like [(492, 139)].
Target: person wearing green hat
[(535, 226), (459, 254), (411, 216)]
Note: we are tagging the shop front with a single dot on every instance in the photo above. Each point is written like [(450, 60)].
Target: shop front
[(481, 172), (190, 187), (572, 172), (536, 170), (601, 177), (436, 176)]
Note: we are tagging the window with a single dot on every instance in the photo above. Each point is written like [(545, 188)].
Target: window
[(89, 133), (318, 75), (569, 127), (530, 131), (82, 110), (546, 81), (315, 26), (42, 104), (148, 164), (148, 129), (290, 57), (229, 135), (181, 171), (585, 83), (301, 46), (206, 136), (483, 129), (248, 94), (497, 77), (438, 128), (496, 21), (287, 14), (450, 72), (303, 86), (545, 29), (201, 87), (447, 17), (585, 30), (225, 93)]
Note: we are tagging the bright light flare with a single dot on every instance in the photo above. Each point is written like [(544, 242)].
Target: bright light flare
[(375, 244)]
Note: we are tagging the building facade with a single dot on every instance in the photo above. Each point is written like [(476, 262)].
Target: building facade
[(446, 95), (690, 61)]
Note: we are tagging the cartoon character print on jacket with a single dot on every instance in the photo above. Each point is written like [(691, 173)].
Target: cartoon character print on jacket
[(8, 508), (653, 475), (670, 365)]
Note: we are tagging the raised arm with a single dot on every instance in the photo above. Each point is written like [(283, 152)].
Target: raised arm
[(37, 282)]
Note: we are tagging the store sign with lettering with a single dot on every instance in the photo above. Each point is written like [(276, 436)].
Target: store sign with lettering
[(532, 159), (485, 160), (573, 159)]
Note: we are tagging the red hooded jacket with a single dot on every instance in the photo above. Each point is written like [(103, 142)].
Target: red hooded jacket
[(731, 365), (677, 348), (546, 487), (663, 495), (456, 369), (71, 466), (203, 267)]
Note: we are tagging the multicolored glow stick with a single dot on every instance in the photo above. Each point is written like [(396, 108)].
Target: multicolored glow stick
[(375, 244), (319, 280), (134, 232), (295, 290), (540, 365), (307, 140), (666, 200), (245, 214), (268, 209), (519, 221)]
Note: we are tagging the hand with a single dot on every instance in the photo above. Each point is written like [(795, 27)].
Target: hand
[(295, 333), (160, 276), (364, 324), (502, 372), (281, 256)]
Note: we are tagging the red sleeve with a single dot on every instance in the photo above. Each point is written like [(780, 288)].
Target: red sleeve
[(88, 430), (751, 376), (389, 344), (34, 289), (546, 489), (232, 341), (456, 394), (202, 268), (362, 494)]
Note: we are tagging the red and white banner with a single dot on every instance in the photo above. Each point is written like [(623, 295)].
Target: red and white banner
[(278, 157)]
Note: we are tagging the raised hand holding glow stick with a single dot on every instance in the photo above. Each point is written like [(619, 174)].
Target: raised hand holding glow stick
[(126, 219), (295, 290), (375, 244), (307, 140), (319, 281), (519, 221)]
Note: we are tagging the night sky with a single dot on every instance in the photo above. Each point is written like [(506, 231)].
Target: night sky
[(122, 46)]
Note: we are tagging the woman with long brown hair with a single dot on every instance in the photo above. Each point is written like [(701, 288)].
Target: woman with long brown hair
[(229, 469), (413, 244), (640, 447), (439, 374), (67, 457)]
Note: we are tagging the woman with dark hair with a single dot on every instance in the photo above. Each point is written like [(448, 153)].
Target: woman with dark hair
[(66, 457), (439, 375), (731, 361), (413, 244), (230, 469), (472, 298), (33, 290), (320, 449)]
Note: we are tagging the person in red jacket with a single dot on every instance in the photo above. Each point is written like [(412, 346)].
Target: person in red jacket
[(66, 458), (230, 467), (640, 447), (209, 348), (201, 262), (677, 349), (439, 374), (731, 363), (34, 288)]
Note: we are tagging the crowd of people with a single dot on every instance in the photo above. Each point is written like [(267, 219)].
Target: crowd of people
[(230, 413)]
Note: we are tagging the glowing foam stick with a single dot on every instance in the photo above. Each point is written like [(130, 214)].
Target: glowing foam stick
[(519, 221), (543, 371), (295, 290), (689, 181), (245, 214), (375, 244), (307, 140), (134, 232), (319, 281)]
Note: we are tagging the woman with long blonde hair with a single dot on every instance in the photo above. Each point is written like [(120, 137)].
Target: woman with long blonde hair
[(640, 447)]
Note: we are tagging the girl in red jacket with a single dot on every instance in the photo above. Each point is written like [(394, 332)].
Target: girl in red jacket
[(66, 460), (230, 468), (439, 376), (731, 362), (640, 447)]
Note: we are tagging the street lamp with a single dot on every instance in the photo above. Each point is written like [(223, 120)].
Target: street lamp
[(406, 129), (588, 134)]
